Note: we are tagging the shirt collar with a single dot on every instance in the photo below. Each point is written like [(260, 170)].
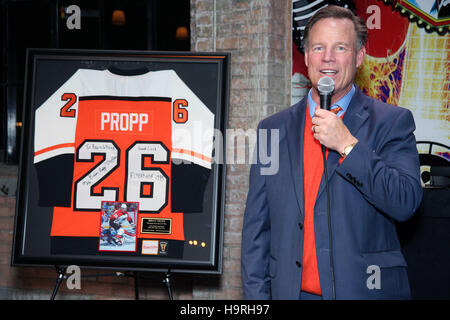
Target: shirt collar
[(343, 103)]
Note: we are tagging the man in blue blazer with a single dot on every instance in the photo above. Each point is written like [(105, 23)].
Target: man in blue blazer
[(293, 250)]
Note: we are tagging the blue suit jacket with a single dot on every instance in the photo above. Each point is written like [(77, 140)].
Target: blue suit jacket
[(377, 184)]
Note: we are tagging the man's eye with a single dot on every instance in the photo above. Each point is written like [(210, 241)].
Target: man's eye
[(317, 49), (340, 48)]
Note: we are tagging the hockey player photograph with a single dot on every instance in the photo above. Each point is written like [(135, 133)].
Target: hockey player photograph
[(118, 226)]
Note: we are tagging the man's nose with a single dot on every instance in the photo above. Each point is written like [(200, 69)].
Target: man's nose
[(328, 55)]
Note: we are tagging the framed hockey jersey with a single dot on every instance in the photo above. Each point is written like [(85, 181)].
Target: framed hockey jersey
[(129, 129)]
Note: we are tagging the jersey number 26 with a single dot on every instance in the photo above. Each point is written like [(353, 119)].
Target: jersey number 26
[(136, 178)]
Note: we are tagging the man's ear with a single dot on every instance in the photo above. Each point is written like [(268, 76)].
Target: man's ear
[(360, 56), (306, 57)]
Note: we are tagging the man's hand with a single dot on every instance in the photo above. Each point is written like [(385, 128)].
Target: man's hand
[(331, 131)]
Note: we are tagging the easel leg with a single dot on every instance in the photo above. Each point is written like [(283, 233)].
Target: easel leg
[(136, 286), (166, 281), (61, 273)]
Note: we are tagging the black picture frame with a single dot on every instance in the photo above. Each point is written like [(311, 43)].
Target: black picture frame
[(207, 75)]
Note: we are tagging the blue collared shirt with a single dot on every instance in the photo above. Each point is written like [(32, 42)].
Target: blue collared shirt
[(343, 103)]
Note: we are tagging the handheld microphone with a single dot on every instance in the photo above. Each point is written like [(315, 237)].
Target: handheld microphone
[(326, 88)]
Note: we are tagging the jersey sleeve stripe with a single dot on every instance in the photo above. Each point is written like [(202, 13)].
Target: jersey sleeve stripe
[(52, 151), (58, 146), (192, 153)]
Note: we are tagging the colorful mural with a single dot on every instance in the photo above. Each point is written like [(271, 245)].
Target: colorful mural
[(407, 64)]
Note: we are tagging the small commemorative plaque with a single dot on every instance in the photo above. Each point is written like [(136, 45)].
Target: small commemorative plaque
[(156, 226)]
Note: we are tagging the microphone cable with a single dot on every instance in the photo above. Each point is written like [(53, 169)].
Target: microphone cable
[(330, 233), (325, 88)]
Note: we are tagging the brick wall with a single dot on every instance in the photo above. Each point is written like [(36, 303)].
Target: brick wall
[(258, 35)]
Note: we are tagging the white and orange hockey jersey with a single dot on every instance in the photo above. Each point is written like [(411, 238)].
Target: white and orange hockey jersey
[(107, 137)]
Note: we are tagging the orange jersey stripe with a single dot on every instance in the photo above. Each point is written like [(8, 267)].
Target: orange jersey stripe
[(58, 146), (192, 153)]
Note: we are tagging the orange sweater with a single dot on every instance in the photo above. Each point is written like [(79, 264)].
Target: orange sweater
[(312, 174)]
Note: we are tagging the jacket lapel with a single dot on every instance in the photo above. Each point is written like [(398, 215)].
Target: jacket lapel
[(356, 113), (354, 118), (294, 132)]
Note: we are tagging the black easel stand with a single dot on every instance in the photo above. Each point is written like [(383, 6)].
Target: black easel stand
[(136, 286), (166, 281), (62, 275)]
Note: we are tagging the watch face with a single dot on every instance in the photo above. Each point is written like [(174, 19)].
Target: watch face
[(348, 149)]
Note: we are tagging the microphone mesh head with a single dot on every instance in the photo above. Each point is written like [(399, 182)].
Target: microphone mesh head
[(325, 85)]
